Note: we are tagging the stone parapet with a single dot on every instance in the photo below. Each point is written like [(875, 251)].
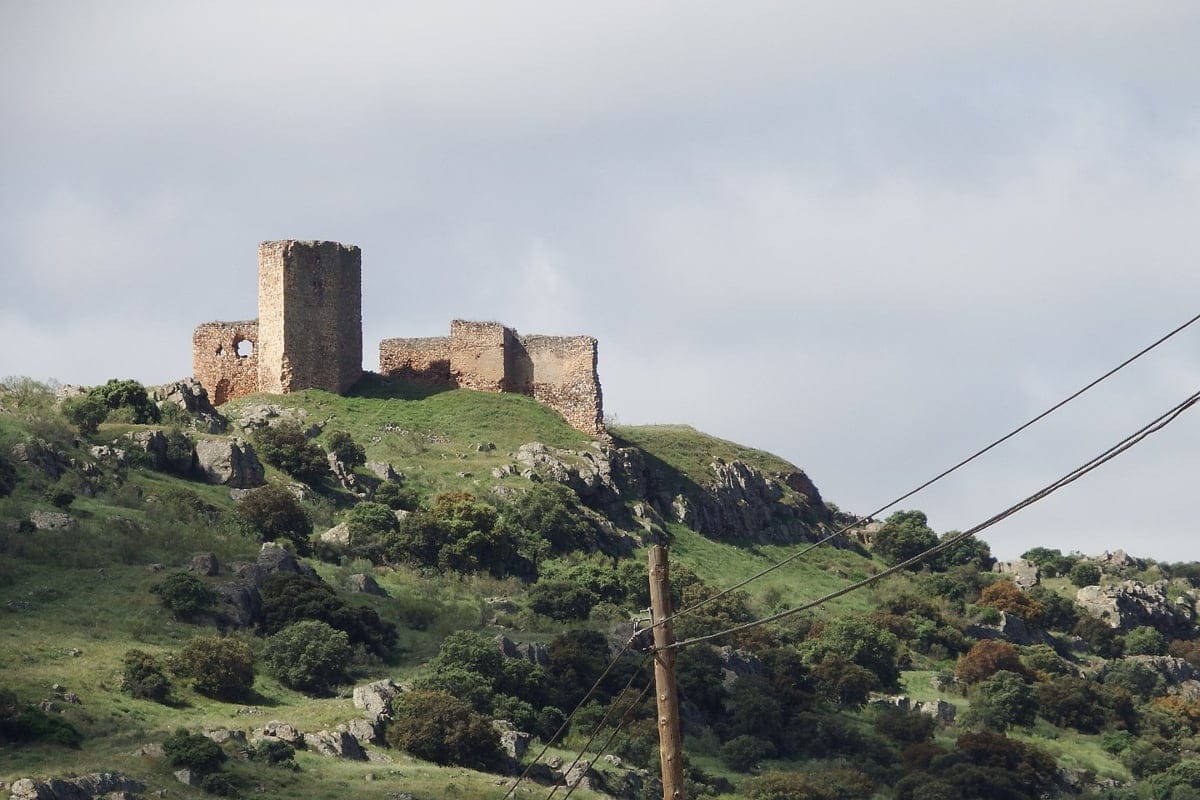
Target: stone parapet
[(424, 360)]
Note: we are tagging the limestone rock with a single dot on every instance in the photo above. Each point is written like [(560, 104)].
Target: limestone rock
[(338, 535), (365, 584), (1130, 604), (363, 731), (513, 742), (586, 472), (737, 664), (225, 735), (240, 596), (229, 462), (40, 455), (51, 520), (150, 750), (281, 731), (187, 777), (1010, 629), (1175, 671), (384, 471), (339, 744), (375, 699), (205, 564), (1025, 573), (153, 443), (533, 652), (190, 395), (92, 785), (112, 455)]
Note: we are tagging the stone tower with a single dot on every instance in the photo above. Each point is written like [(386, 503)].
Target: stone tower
[(309, 316)]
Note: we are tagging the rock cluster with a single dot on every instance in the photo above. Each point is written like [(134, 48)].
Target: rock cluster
[(240, 596), (229, 462), (96, 784), (1024, 573), (1130, 604)]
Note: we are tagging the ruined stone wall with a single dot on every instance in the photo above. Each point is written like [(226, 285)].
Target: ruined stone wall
[(224, 372), (479, 355), (562, 375), (309, 316), (424, 360)]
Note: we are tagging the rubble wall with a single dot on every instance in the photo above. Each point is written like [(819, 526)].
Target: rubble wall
[(479, 355), (223, 372), (423, 360), (560, 372), (309, 316)]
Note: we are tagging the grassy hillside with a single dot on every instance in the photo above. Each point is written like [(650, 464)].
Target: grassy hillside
[(73, 601)]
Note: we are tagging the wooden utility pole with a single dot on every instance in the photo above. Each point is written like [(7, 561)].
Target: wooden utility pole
[(669, 741)]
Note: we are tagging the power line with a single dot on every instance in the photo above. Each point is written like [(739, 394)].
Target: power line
[(806, 550), (1133, 439), (566, 723), (600, 725), (613, 735)]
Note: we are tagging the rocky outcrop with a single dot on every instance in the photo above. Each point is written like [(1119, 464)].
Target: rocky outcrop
[(241, 601), (1011, 628), (42, 456), (1130, 604), (365, 584), (154, 444), (938, 709), (737, 664), (228, 462), (97, 784), (1174, 671), (1024, 573), (533, 652), (205, 564), (375, 700), (192, 397), (336, 743), (50, 520), (588, 473)]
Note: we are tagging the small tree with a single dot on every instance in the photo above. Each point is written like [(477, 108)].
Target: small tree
[(8, 476), (743, 753), (85, 412), (1144, 641), (985, 659), (185, 595), (346, 450), (193, 751), (308, 655), (221, 668), (272, 513), (442, 729), (1085, 573), (1006, 596), (130, 396), (903, 535), (143, 677), (285, 446), (1002, 701)]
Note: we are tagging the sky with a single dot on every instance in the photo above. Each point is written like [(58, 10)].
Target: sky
[(870, 237)]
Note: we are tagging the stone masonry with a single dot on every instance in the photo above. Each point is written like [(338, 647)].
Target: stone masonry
[(309, 335), (557, 371)]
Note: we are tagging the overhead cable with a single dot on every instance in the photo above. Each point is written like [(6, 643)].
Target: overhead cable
[(859, 519), (1142, 433)]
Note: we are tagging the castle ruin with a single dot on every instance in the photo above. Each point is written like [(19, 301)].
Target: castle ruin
[(309, 335)]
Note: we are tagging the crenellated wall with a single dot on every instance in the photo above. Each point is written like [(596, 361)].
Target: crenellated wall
[(226, 373)]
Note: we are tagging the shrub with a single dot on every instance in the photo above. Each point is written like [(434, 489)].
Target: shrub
[(1051, 562), (551, 512), (369, 521), (1144, 641), (859, 642), (743, 753), (8, 476), (129, 395), (291, 598), (904, 725), (275, 753), (1060, 613), (143, 677), (1006, 596), (308, 655), (985, 659), (180, 457), (221, 784), (1002, 701), (1134, 677), (21, 722), (273, 512), (85, 413), (219, 667), (397, 496), (903, 535), (285, 446), (1071, 702), (1085, 573), (561, 600), (184, 595), (346, 450), (1101, 639), (831, 784), (445, 730), (193, 751)]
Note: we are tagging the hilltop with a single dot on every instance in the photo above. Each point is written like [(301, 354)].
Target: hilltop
[(309, 580)]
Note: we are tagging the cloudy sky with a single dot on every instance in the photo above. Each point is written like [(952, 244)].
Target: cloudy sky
[(868, 236)]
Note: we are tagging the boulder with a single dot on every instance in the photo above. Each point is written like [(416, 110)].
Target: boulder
[(738, 664), (50, 520), (533, 652), (339, 744), (1010, 629), (153, 443), (384, 471), (281, 731), (375, 699), (42, 456), (338, 535), (586, 472), (88, 786), (205, 564), (229, 462), (225, 735), (190, 395), (241, 598), (104, 452), (365, 584), (188, 777), (362, 730), (1131, 604), (1024, 573)]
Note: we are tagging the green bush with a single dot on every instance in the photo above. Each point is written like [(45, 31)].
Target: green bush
[(904, 725), (831, 784), (1002, 701), (180, 454), (142, 677), (551, 512), (273, 513), (130, 396), (1144, 641), (221, 784), (1085, 573), (308, 655), (561, 600), (397, 496), (858, 642), (85, 412), (221, 668), (346, 450), (184, 595), (1138, 679), (291, 598), (193, 751), (8, 476), (1051, 562), (1071, 702), (22, 722), (445, 730), (903, 535), (743, 753), (285, 446), (1101, 639), (275, 753)]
